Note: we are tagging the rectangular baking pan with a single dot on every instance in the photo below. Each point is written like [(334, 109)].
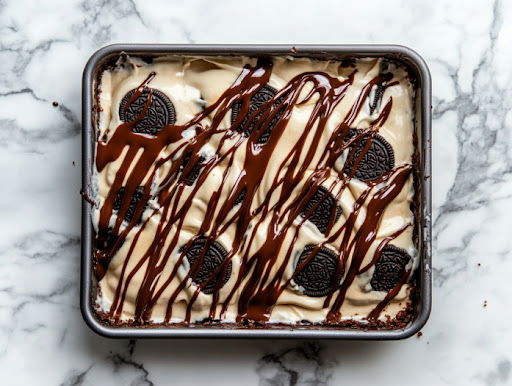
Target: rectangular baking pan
[(423, 127)]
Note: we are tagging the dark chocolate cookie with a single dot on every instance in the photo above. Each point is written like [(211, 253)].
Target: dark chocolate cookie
[(160, 113), (326, 207), (318, 276), (375, 98), (378, 159), (241, 197), (374, 102), (193, 172), (137, 196), (212, 260), (106, 239), (389, 268), (262, 96)]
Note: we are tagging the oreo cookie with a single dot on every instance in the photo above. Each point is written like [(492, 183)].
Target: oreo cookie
[(262, 96), (375, 97), (241, 197), (137, 196), (318, 277), (106, 239), (389, 268), (374, 103), (378, 159), (193, 172), (160, 113), (325, 207), (212, 259)]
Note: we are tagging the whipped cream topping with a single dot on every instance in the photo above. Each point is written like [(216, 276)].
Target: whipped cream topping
[(322, 112)]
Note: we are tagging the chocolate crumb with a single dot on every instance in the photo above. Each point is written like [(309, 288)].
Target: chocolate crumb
[(55, 104), (73, 162), (485, 303), (87, 197), (479, 265), (420, 334)]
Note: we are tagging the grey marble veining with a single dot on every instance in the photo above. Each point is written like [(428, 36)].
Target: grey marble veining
[(304, 364), (43, 49)]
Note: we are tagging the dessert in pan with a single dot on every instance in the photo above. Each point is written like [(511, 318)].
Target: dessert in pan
[(255, 192)]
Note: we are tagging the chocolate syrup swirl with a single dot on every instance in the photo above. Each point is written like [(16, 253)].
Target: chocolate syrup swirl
[(261, 278)]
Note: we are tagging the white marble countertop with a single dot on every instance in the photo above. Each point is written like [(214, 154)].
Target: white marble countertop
[(43, 49)]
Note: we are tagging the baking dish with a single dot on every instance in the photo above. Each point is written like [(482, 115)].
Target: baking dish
[(419, 70)]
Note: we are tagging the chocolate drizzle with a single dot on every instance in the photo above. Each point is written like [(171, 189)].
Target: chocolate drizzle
[(181, 174)]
